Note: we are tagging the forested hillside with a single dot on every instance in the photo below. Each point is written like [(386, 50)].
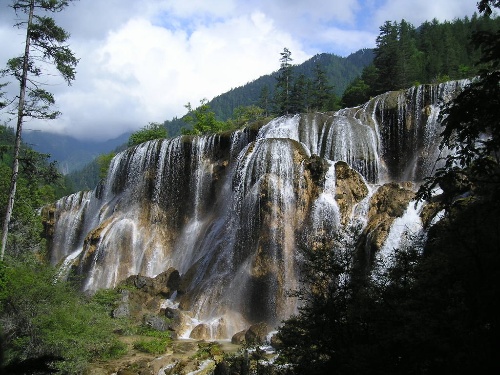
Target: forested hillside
[(340, 71), (38, 183), (71, 154), (407, 55), (429, 307)]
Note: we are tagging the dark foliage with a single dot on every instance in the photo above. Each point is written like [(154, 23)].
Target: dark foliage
[(433, 52), (432, 308)]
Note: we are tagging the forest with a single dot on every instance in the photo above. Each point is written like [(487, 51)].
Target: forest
[(433, 311)]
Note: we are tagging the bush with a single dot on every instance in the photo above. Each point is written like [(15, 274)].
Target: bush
[(45, 318), (156, 344)]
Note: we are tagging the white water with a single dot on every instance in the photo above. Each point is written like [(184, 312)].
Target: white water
[(405, 231), (236, 237)]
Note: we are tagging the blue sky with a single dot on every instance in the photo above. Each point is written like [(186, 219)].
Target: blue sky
[(143, 60)]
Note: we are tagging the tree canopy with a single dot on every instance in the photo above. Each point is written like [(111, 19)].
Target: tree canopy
[(433, 52), (149, 132), (44, 44)]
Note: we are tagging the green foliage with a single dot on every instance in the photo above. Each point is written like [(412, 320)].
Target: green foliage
[(103, 161), (156, 344), (322, 91), (150, 132), (471, 131), (107, 298), (242, 116), (45, 317), (3, 103), (202, 120), (356, 93), (152, 346), (433, 52), (174, 127), (37, 185), (284, 84), (208, 350)]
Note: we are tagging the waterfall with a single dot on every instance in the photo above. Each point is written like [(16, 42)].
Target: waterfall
[(228, 211), (70, 229)]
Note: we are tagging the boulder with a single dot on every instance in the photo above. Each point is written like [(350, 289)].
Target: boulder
[(123, 308), (238, 338), (179, 319), (163, 284), (155, 322), (350, 190), (276, 342), (200, 332), (389, 202), (257, 334)]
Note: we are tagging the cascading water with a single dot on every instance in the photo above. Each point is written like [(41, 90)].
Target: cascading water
[(228, 211)]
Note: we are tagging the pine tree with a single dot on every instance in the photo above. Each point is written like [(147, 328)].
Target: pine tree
[(44, 44), (386, 54), (265, 100), (300, 94), (321, 89), (283, 89)]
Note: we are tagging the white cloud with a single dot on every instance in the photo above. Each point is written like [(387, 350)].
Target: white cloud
[(417, 12), (144, 72), (143, 60)]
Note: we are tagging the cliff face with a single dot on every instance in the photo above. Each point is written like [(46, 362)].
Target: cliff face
[(229, 212)]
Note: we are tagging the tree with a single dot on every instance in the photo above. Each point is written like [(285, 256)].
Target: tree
[(386, 56), (356, 93), (242, 116), (317, 339), (149, 132), (321, 90), (471, 128), (202, 120), (300, 95), (44, 43), (284, 81), (265, 100), (103, 161), (2, 102)]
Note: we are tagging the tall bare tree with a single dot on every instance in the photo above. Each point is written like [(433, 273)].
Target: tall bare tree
[(44, 44)]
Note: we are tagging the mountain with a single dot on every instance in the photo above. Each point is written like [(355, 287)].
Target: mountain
[(227, 214), (340, 72), (70, 153), (73, 154)]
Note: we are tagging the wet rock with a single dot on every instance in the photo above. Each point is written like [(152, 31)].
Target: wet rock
[(389, 202), (350, 189), (276, 342), (123, 310), (317, 167), (238, 338), (220, 329), (200, 332), (179, 319), (257, 334), (155, 322), (166, 282), (429, 212)]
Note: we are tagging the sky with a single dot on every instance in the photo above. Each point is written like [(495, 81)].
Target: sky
[(142, 61)]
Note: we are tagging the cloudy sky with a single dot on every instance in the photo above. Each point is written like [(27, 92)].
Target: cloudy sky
[(143, 60)]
